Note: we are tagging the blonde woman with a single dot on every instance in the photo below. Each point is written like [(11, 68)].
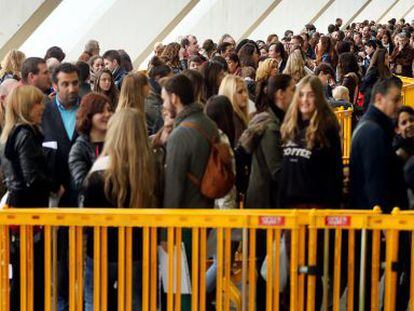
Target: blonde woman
[(235, 89), (25, 173), (122, 177), (267, 68), (295, 66), (23, 161), (11, 65), (135, 88)]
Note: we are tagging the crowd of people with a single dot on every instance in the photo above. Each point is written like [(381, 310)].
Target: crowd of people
[(215, 126)]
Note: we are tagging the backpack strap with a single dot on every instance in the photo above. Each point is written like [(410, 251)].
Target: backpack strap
[(201, 131), (194, 180)]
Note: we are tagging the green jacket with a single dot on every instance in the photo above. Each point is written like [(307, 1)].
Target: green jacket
[(187, 152)]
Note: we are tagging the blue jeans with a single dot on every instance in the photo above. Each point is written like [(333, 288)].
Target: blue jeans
[(112, 285)]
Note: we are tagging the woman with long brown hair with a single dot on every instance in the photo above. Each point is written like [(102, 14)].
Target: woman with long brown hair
[(324, 52), (105, 84), (312, 164), (122, 177), (311, 169), (135, 88), (378, 69)]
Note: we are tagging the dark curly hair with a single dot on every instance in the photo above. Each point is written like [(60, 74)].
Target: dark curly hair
[(91, 104)]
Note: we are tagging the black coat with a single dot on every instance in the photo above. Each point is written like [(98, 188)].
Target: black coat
[(119, 75), (24, 167), (367, 84), (376, 174), (54, 131), (81, 157)]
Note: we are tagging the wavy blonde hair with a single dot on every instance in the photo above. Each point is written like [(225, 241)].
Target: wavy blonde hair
[(131, 168), (12, 63), (265, 68), (322, 119), (19, 104), (295, 66), (228, 87)]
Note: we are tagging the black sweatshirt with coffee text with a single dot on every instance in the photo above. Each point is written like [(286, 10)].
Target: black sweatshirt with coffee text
[(312, 176)]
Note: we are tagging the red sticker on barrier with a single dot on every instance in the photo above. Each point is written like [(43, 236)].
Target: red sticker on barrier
[(272, 220), (338, 221)]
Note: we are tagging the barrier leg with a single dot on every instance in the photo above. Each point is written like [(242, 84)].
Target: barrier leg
[(203, 267), (294, 259), (362, 270), (195, 271), (178, 240), (48, 268), (153, 280), (219, 289), (376, 235), (170, 297), (412, 273), (390, 269), (121, 269), (269, 283), (325, 280), (96, 268), (129, 270), (276, 281), (312, 262), (23, 268), (337, 270), (351, 270), (252, 269), (104, 268), (244, 268)]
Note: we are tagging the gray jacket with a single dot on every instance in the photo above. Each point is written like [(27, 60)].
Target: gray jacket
[(266, 165), (187, 152)]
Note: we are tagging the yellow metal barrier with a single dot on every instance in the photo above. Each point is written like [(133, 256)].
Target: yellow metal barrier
[(302, 231), (345, 121), (408, 91)]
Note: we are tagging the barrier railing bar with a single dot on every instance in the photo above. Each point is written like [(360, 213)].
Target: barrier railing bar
[(154, 267), (104, 268), (79, 268), (219, 289), (351, 270), (227, 267), (72, 269), (337, 270), (252, 269), (376, 235), (121, 269), (203, 267), (129, 270), (96, 268), (276, 282), (269, 282), (195, 260), (178, 242), (170, 246)]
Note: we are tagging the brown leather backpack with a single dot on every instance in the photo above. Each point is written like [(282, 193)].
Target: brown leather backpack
[(218, 178)]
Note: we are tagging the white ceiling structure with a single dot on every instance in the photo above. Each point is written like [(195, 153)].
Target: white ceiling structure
[(135, 25)]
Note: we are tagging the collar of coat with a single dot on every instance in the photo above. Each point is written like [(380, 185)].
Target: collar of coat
[(188, 111)]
